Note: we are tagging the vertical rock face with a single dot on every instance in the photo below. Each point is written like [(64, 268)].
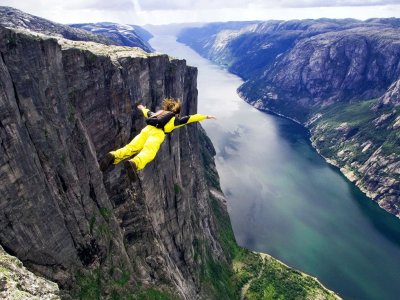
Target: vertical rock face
[(391, 96), (347, 65), (63, 105)]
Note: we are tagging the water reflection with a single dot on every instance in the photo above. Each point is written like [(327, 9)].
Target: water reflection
[(385, 224)]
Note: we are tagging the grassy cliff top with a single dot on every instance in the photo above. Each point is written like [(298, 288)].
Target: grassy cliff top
[(261, 276)]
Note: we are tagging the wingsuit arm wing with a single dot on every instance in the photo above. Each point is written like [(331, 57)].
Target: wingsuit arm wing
[(147, 113), (182, 121)]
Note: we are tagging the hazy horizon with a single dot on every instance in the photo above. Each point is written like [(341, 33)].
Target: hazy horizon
[(156, 12)]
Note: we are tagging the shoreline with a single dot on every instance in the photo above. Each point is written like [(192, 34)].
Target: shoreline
[(346, 173), (266, 255)]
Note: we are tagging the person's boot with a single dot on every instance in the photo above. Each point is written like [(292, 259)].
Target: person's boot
[(106, 161), (131, 169)]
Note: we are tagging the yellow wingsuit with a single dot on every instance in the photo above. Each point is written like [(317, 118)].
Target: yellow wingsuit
[(147, 143)]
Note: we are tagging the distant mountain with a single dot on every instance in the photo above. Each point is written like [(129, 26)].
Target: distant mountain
[(340, 78), (104, 33), (126, 35), (14, 18), (176, 28)]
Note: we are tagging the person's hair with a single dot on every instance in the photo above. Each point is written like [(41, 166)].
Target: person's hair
[(171, 104)]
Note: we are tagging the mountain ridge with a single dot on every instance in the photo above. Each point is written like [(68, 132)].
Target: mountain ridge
[(124, 35), (128, 35)]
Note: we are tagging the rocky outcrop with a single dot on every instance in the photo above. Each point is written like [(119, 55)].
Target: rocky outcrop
[(339, 78), (64, 104), (16, 282), (391, 97)]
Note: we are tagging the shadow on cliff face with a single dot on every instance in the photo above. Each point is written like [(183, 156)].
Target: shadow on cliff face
[(60, 109)]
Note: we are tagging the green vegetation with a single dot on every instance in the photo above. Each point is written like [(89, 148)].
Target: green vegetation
[(103, 230), (91, 284), (361, 127), (392, 142), (225, 232), (246, 266), (266, 277), (98, 226), (245, 272), (91, 56), (277, 281), (216, 277), (91, 223), (152, 294), (105, 212), (88, 286), (177, 188)]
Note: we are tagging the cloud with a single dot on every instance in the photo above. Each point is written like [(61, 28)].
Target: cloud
[(79, 11), (52, 5), (335, 3), (263, 4), (183, 11), (251, 14), (116, 5), (192, 4)]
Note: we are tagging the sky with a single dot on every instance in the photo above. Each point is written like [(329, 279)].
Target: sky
[(158, 12)]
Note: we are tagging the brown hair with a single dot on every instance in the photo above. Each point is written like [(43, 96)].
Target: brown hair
[(171, 104)]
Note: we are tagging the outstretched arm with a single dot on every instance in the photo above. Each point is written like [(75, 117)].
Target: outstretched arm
[(146, 112), (179, 122)]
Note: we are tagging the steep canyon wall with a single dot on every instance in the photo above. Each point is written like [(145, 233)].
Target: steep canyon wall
[(63, 105)]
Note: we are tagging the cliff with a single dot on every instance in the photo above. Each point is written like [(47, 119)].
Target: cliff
[(339, 78), (62, 107)]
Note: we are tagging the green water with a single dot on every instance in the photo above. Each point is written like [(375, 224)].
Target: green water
[(285, 200)]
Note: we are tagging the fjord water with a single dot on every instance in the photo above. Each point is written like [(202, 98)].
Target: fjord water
[(285, 200)]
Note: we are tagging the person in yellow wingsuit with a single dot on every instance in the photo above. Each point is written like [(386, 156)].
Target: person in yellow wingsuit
[(146, 144)]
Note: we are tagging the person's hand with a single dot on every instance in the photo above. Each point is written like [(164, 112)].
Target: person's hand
[(211, 117), (141, 107)]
